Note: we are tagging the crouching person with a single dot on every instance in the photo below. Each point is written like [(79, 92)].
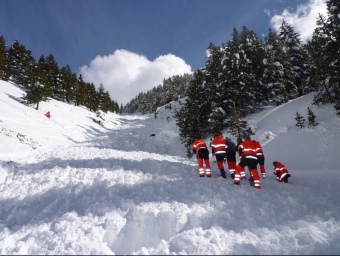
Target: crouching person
[(247, 152), (281, 172)]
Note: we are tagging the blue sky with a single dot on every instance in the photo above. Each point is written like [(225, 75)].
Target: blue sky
[(138, 43)]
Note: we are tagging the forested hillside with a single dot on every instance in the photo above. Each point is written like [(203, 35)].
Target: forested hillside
[(44, 78), (245, 74), (172, 89)]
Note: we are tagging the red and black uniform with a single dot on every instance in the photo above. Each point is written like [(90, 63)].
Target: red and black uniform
[(231, 157), (219, 149), (202, 154), (281, 172), (260, 158), (247, 151), (239, 151)]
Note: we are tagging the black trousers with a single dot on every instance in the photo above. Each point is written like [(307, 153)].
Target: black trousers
[(203, 153), (250, 162), (231, 156)]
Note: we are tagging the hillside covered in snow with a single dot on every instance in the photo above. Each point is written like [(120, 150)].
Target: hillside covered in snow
[(72, 185)]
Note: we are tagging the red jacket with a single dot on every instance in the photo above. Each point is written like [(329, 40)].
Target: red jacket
[(219, 145), (198, 144), (259, 150), (247, 149), (280, 169)]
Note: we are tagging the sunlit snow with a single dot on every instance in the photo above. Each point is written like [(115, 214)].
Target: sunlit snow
[(69, 185)]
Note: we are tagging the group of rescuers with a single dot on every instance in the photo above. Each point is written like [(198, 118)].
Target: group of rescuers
[(250, 153)]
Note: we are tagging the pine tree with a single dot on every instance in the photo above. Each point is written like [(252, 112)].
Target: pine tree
[(319, 74), (3, 56), (53, 74), (68, 81), (107, 103), (311, 118), (115, 107), (325, 51), (92, 98), (38, 88), (210, 95), (20, 64), (277, 76), (192, 118), (253, 48), (80, 91), (297, 56), (239, 78), (333, 49), (310, 70), (300, 121), (189, 131)]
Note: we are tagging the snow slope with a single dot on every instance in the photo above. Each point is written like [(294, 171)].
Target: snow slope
[(71, 186)]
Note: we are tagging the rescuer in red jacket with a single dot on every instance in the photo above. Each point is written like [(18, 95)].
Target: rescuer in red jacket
[(260, 157), (48, 114), (247, 151), (281, 172), (219, 150), (202, 154)]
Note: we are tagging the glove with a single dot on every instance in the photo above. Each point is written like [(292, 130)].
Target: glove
[(274, 173), (263, 175)]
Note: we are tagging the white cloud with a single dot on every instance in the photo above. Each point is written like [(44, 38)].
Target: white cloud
[(303, 20), (124, 74)]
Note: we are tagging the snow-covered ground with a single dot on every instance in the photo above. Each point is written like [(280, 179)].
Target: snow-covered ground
[(71, 186)]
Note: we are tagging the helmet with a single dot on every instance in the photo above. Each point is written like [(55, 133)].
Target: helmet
[(274, 163)]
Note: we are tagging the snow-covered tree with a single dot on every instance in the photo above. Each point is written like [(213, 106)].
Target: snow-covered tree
[(238, 73), (193, 118), (325, 50), (297, 56), (68, 81), (278, 76), (53, 74)]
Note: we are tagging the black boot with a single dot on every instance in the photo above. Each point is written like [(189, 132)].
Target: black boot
[(223, 174)]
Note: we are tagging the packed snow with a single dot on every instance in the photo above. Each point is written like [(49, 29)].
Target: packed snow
[(69, 185)]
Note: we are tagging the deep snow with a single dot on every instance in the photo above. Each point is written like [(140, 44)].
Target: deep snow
[(71, 186)]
